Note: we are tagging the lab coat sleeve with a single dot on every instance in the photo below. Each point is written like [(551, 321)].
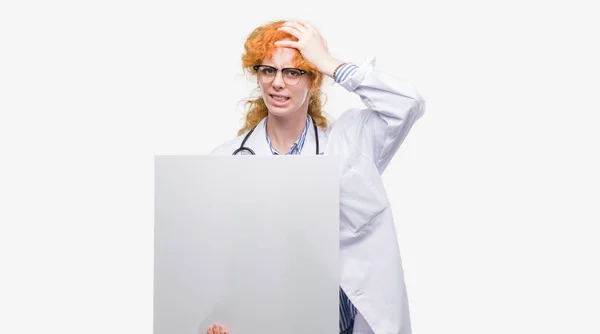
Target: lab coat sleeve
[(393, 106)]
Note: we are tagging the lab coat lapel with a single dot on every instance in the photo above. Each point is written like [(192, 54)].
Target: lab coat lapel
[(310, 142), (258, 141)]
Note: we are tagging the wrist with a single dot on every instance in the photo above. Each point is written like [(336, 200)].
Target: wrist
[(329, 66)]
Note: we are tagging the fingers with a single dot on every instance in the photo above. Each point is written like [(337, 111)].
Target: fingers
[(295, 25), (286, 44), (310, 43), (301, 26), (293, 28), (302, 31), (217, 329), (307, 26), (293, 31)]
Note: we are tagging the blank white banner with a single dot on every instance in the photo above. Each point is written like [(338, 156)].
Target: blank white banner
[(248, 242)]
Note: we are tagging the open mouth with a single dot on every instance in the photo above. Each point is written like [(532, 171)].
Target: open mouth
[(280, 98), (279, 101)]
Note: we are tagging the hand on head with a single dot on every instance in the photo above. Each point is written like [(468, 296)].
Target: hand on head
[(217, 329), (310, 44)]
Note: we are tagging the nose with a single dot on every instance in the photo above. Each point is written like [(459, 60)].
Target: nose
[(278, 80)]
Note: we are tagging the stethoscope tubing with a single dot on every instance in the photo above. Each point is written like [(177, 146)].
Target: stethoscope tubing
[(248, 149)]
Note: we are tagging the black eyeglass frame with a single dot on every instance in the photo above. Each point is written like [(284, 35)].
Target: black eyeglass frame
[(302, 72)]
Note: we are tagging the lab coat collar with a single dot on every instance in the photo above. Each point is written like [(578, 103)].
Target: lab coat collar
[(259, 144), (257, 141), (309, 141)]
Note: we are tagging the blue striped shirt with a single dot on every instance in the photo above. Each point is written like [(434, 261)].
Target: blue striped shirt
[(296, 147), (347, 309), (347, 70), (347, 312)]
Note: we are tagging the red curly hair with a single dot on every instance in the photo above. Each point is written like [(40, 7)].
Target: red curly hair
[(259, 46)]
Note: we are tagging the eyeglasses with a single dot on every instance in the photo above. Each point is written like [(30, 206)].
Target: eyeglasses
[(266, 74)]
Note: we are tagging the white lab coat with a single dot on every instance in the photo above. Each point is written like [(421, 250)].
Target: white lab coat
[(365, 140)]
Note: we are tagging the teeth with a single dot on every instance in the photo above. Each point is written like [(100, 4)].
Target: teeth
[(280, 98)]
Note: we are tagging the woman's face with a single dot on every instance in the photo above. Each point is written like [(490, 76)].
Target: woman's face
[(283, 93)]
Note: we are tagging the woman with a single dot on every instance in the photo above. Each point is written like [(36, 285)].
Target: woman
[(289, 60)]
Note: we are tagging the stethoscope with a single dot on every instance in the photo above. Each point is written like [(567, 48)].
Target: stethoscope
[(248, 149)]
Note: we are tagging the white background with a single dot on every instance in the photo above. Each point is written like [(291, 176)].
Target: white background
[(495, 190)]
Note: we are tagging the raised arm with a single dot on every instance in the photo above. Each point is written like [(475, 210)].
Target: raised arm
[(393, 105)]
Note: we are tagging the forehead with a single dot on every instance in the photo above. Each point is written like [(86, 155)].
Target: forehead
[(283, 57)]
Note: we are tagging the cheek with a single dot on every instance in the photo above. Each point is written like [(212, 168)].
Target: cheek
[(261, 87), (301, 93)]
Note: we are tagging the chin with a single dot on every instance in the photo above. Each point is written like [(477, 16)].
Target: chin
[(281, 111)]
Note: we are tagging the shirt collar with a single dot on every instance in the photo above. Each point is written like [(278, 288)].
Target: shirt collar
[(296, 147)]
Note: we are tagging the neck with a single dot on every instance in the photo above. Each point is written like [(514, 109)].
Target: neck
[(284, 131)]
